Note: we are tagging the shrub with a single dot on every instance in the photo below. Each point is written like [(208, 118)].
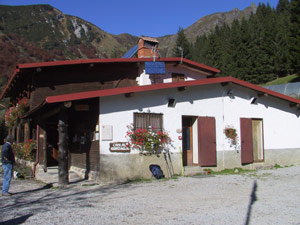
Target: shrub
[(26, 150)]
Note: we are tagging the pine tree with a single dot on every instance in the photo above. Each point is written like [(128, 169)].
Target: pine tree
[(182, 44), (200, 49), (294, 36), (282, 6), (255, 49), (281, 59)]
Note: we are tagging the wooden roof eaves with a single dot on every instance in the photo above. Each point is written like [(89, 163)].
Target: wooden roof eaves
[(8, 84)]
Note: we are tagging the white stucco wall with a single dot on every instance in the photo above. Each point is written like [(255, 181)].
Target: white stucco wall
[(280, 122)]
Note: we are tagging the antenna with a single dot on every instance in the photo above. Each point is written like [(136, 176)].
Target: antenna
[(154, 50)]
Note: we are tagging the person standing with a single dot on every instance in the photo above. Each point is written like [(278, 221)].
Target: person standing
[(8, 160)]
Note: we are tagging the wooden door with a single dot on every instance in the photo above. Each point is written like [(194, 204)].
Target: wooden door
[(187, 141), (246, 141), (207, 152), (52, 144)]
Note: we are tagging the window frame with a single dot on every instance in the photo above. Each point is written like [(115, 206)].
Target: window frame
[(149, 121)]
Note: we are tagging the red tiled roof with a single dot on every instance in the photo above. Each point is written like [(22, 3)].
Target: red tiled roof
[(21, 67), (124, 90), (149, 39), (117, 60)]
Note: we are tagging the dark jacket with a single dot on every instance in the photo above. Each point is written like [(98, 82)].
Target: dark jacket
[(7, 155)]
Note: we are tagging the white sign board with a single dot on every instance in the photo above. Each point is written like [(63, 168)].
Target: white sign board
[(107, 133)]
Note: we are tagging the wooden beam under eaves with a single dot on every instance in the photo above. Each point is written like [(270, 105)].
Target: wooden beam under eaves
[(130, 94), (225, 83), (261, 94), (292, 104), (51, 112), (182, 88)]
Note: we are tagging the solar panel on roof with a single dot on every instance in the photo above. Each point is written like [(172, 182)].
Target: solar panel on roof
[(155, 68), (130, 52)]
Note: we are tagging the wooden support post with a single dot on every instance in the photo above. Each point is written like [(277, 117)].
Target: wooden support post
[(45, 150), (18, 133), (63, 172)]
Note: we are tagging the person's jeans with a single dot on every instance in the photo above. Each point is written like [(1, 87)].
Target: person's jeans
[(7, 170)]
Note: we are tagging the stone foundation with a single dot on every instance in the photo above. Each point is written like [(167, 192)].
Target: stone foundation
[(122, 167), (232, 159), (92, 175)]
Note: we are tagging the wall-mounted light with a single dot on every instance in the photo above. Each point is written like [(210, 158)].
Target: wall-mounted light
[(171, 102), (253, 100), (67, 104), (230, 93)]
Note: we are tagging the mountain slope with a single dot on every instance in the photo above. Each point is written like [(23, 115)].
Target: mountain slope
[(205, 25), (50, 29), (42, 33)]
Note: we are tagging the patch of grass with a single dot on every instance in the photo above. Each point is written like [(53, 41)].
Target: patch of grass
[(137, 180), (143, 180), (175, 177), (227, 171), (283, 80), (88, 185), (277, 166)]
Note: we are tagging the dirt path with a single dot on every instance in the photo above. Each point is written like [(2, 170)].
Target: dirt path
[(222, 199)]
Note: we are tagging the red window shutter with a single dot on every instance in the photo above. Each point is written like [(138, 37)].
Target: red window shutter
[(246, 141), (207, 141)]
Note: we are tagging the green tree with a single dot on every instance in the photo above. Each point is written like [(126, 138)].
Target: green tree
[(281, 57), (200, 49), (294, 36), (182, 44), (283, 6), (254, 49)]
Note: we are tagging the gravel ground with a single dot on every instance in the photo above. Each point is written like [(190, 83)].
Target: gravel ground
[(264, 197)]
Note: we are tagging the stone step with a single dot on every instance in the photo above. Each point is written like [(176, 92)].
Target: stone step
[(193, 170), (51, 176)]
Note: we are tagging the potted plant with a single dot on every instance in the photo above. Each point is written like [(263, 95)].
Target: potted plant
[(231, 133), (147, 140), (15, 112)]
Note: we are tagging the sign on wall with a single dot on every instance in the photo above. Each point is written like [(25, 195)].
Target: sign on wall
[(107, 133), (119, 147)]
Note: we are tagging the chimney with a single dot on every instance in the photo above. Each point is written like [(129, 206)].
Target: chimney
[(148, 47)]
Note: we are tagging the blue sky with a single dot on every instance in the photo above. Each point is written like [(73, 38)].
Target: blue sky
[(153, 18)]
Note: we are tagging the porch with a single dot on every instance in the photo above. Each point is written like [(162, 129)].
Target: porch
[(51, 177)]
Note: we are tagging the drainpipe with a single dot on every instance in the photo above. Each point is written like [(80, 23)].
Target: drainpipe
[(223, 120), (37, 151)]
